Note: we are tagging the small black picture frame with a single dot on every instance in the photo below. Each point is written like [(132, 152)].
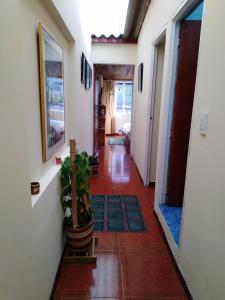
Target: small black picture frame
[(88, 79), (83, 67), (140, 77)]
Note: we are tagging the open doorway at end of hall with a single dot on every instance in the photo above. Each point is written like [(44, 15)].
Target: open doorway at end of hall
[(189, 27), (113, 95)]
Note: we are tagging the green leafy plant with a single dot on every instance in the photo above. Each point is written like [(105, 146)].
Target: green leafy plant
[(83, 173)]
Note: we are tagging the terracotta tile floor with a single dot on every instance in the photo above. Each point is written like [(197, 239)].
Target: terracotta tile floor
[(129, 265)]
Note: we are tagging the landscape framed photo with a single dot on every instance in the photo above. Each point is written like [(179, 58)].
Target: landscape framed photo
[(140, 77), (52, 93)]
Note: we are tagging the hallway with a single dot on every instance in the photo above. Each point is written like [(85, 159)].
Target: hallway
[(129, 265)]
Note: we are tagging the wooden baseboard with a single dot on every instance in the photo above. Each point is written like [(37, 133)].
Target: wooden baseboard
[(57, 273), (137, 170), (184, 284)]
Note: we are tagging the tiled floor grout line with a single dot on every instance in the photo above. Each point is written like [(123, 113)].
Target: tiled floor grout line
[(121, 268)]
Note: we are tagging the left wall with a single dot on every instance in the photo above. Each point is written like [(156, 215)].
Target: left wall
[(31, 227)]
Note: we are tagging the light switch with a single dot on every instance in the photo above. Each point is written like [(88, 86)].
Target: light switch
[(203, 123)]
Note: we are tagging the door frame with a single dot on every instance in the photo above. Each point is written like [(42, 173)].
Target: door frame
[(165, 128), (154, 59), (175, 31)]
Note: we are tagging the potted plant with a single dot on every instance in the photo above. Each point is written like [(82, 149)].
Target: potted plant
[(75, 198)]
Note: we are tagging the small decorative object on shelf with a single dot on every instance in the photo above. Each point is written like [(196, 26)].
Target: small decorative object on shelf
[(102, 110), (58, 160), (35, 188), (94, 163)]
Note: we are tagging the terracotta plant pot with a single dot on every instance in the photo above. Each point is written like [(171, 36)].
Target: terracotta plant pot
[(79, 240), (35, 188)]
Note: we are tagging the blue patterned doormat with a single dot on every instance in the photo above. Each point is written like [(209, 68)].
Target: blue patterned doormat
[(116, 213), (173, 217), (116, 141)]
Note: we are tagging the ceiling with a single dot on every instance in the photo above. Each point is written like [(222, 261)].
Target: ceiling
[(136, 12), (115, 72), (135, 17), (103, 16)]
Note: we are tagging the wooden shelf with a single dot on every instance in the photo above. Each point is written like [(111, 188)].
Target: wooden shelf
[(100, 111)]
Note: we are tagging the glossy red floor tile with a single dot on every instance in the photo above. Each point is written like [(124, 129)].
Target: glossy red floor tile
[(142, 241), (90, 281), (145, 273), (107, 241), (130, 266)]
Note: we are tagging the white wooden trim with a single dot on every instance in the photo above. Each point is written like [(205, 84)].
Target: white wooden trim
[(174, 40), (184, 9), (150, 107), (160, 36), (168, 90), (173, 246), (175, 28)]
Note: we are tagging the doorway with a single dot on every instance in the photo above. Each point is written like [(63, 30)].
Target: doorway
[(155, 107), (113, 94), (181, 116)]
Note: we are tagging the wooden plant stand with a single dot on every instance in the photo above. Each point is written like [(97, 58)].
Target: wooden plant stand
[(78, 239), (89, 258)]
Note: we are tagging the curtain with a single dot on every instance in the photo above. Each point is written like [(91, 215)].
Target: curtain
[(108, 101)]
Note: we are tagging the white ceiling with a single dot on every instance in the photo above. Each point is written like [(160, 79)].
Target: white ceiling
[(104, 16)]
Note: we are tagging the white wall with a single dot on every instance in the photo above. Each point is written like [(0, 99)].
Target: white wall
[(113, 53), (201, 252), (157, 17), (31, 227), (203, 244), (81, 110)]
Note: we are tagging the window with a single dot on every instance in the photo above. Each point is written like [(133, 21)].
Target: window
[(123, 97)]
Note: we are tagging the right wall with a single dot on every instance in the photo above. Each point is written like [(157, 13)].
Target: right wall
[(202, 243), (157, 17), (201, 252)]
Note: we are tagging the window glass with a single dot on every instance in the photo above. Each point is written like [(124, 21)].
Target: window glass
[(123, 97), (128, 95)]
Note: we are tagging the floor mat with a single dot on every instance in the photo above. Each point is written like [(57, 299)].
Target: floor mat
[(117, 213), (173, 217), (116, 141)]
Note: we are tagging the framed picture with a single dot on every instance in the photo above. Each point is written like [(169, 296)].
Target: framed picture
[(140, 77), (88, 80), (90, 77), (52, 93), (83, 66)]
